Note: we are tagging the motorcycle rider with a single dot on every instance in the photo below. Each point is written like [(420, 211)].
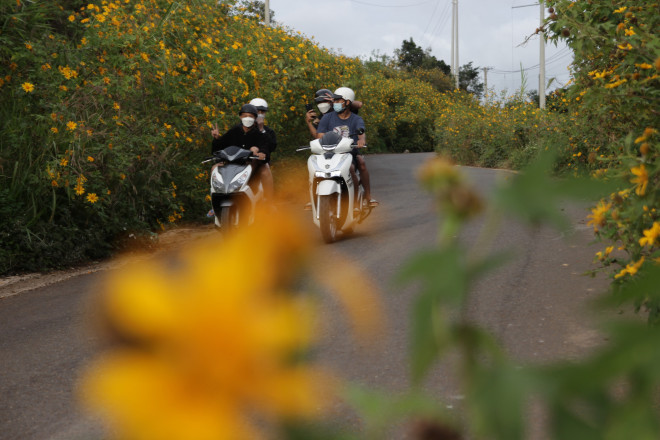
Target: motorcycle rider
[(271, 139), (323, 99), (347, 123), (247, 135)]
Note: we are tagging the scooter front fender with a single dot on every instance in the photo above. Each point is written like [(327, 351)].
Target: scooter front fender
[(327, 187)]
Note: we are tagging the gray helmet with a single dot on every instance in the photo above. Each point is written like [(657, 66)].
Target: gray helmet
[(249, 108), (323, 95)]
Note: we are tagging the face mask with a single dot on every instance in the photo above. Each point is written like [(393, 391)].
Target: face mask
[(324, 107), (248, 122), (338, 107), (261, 118)]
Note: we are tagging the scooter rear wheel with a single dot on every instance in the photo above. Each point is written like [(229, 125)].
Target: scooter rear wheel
[(328, 218)]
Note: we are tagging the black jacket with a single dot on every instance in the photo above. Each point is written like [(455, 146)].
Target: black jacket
[(271, 141), (236, 136)]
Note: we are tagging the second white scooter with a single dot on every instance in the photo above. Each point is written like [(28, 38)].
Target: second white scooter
[(337, 207)]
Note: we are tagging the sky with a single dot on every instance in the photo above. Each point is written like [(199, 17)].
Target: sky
[(491, 33)]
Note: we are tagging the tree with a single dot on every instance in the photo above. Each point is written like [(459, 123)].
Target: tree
[(252, 8), (411, 56), (468, 80)]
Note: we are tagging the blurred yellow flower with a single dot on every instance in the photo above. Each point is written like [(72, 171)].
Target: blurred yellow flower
[(28, 87), (71, 125), (597, 215), (631, 269), (641, 180), (90, 159), (92, 198), (72, 18), (650, 235), (54, 129), (64, 162), (210, 356)]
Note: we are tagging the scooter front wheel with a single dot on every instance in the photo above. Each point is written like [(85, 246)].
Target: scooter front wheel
[(328, 217)]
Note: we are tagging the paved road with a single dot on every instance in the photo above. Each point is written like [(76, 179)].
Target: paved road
[(535, 306)]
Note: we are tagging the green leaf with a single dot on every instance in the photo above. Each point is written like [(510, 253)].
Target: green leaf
[(535, 196)]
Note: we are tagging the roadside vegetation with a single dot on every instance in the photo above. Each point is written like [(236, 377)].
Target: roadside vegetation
[(109, 109)]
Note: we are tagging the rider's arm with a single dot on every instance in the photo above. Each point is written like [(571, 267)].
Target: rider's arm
[(309, 118), (224, 141), (362, 140), (323, 126)]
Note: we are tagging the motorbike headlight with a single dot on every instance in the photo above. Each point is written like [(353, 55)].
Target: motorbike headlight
[(239, 180), (326, 175), (217, 183)]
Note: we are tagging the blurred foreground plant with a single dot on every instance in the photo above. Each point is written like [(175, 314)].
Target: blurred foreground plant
[(213, 342), (612, 394)]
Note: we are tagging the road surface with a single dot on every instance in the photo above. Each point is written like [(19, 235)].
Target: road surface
[(535, 305)]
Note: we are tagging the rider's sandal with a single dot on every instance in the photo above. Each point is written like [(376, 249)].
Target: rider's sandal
[(373, 203)]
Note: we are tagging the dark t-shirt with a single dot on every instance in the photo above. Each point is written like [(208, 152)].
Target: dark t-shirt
[(345, 127), (236, 136)]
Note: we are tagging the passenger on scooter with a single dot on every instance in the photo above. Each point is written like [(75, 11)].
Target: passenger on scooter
[(323, 100), (346, 123), (247, 135), (271, 139)]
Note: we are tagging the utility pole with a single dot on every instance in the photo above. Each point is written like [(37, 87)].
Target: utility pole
[(542, 60), (486, 69), (541, 55), (267, 12), (454, 41)]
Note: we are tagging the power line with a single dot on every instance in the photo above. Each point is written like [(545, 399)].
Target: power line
[(390, 6), (554, 58), (431, 19), (444, 17)]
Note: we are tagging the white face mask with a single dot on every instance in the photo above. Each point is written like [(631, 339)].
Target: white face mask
[(248, 122), (261, 118), (324, 107)]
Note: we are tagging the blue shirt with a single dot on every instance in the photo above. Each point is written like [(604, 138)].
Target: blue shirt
[(345, 127)]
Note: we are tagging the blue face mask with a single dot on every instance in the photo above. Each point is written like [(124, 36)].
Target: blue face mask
[(338, 107)]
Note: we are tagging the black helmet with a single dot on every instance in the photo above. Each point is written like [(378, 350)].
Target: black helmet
[(249, 108), (331, 138), (323, 95)]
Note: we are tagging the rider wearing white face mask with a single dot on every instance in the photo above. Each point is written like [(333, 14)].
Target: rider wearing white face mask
[(246, 134), (347, 123), (323, 100)]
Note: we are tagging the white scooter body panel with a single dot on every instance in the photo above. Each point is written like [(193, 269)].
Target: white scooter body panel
[(329, 172), (245, 189)]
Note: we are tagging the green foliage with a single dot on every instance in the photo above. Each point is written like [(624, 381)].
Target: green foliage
[(110, 108), (610, 394), (616, 91)]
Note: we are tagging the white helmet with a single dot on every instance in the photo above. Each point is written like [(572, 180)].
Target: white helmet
[(260, 104), (344, 93)]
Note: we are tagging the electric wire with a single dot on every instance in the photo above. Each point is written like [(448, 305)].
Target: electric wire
[(435, 9), (390, 6)]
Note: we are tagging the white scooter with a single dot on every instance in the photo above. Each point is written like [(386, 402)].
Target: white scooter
[(335, 205), (233, 198)]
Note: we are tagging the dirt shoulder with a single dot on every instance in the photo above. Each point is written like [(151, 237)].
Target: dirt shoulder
[(17, 284)]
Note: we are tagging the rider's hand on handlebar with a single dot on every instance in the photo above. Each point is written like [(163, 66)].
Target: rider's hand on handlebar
[(261, 156), (215, 132), (360, 143)]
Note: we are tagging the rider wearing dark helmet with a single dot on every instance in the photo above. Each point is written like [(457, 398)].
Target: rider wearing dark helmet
[(323, 100), (246, 135)]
